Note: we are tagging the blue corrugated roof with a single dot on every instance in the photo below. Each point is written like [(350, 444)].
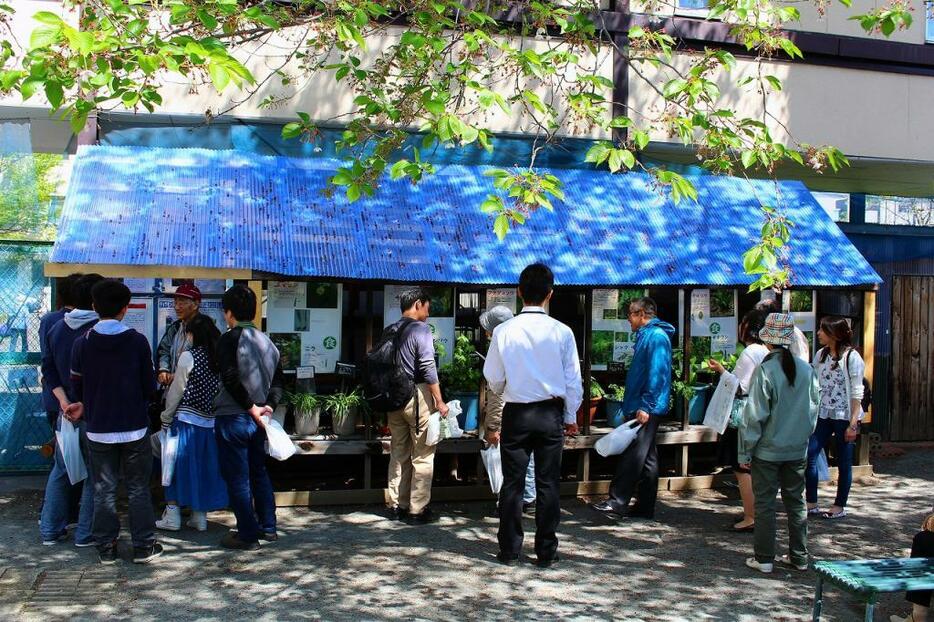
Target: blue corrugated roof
[(227, 209)]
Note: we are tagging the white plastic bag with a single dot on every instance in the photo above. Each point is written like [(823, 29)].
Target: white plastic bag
[(450, 427), (433, 433), (278, 443), (69, 443), (721, 404), (823, 468), (169, 453), (493, 463), (618, 440)]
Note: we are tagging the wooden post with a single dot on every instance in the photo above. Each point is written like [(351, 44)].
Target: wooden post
[(588, 343), (257, 287), (869, 352), (682, 457)]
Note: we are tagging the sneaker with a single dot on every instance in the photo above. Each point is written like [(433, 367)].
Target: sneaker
[(55, 540), (397, 513), (528, 508), (506, 559), (198, 521), (85, 544), (232, 541), (269, 536), (547, 563), (424, 517), (787, 561), (145, 554), (171, 519), (107, 554), (765, 567), (607, 507)]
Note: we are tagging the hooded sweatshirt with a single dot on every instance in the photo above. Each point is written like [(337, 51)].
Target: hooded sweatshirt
[(56, 357), (648, 382), (113, 376), (46, 323)]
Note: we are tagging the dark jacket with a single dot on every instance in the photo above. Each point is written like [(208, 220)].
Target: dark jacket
[(56, 357), (113, 376), (648, 381), (250, 371), (166, 353), (46, 323)]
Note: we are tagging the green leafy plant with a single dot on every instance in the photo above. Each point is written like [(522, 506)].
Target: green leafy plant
[(462, 374), (304, 402), (340, 405), (615, 393), (596, 391)]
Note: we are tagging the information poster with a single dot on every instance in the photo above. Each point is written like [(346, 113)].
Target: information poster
[(507, 297), (441, 318), (207, 286), (801, 307), (304, 321), (141, 286), (612, 339), (139, 317), (165, 314), (713, 322)]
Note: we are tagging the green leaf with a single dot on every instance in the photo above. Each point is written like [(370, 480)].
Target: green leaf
[(219, 75), (748, 158), (44, 37), (353, 192), (397, 171), (775, 82), (492, 205), (641, 139), (49, 18), (887, 26), (673, 87), (501, 226), (29, 87), (54, 93), (209, 21), (292, 130)]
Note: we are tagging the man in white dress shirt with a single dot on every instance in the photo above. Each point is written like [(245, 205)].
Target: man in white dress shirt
[(533, 363)]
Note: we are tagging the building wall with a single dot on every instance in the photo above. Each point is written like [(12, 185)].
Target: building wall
[(864, 113)]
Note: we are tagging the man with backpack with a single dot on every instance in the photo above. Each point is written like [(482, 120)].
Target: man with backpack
[(402, 379)]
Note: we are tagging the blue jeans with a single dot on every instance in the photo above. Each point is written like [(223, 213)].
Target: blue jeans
[(844, 452), (528, 496), (241, 451), (57, 503)]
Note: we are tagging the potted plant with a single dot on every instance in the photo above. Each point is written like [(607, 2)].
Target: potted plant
[(596, 396), (614, 404), (306, 408), (461, 381), (344, 408)]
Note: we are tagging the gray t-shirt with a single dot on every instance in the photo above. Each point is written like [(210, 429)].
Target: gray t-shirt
[(417, 353)]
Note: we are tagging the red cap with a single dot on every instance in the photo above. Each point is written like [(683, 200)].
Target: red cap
[(188, 290)]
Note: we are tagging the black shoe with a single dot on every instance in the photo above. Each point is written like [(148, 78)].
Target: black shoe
[(423, 518), (638, 513), (397, 513), (607, 507), (529, 508), (269, 536), (145, 554), (107, 554), (547, 563), (507, 560), (232, 541)]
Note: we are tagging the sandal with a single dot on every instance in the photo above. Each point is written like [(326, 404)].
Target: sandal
[(815, 510), (833, 515)]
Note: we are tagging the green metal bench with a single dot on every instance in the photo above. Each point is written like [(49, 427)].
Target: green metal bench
[(867, 578)]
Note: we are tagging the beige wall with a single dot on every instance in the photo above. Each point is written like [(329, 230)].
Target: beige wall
[(863, 113)]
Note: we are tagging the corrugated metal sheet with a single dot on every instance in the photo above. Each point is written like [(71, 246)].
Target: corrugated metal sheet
[(227, 209)]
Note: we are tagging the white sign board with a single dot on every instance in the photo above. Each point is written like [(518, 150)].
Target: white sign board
[(612, 337), (304, 321), (139, 317), (506, 297), (714, 322), (441, 319)]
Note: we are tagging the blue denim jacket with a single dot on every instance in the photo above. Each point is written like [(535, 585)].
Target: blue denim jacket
[(648, 382)]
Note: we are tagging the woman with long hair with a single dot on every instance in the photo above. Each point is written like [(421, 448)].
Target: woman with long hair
[(189, 406), (921, 546), (839, 369), (777, 422), (749, 360)]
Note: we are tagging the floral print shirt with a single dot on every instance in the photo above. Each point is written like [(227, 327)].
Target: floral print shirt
[(833, 402)]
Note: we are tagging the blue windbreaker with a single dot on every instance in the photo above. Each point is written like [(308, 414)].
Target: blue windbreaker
[(648, 382)]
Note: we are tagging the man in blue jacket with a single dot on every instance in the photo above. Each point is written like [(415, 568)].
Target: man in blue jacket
[(648, 387)]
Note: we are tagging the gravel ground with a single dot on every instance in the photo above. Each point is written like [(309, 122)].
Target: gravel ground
[(351, 563)]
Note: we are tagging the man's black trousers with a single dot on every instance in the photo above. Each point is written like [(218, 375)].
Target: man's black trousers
[(637, 472), (531, 428)]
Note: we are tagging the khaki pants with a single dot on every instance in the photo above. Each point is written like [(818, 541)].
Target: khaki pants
[(411, 462)]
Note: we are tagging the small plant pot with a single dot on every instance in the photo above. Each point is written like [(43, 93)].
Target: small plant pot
[(614, 412), (591, 411), (307, 422), (697, 406), (346, 425)]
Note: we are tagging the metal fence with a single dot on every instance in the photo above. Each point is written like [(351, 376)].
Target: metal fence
[(25, 295)]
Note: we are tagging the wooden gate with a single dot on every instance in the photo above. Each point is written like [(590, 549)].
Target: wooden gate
[(912, 416)]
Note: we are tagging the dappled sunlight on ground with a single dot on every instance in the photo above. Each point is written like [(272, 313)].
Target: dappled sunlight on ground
[(352, 563)]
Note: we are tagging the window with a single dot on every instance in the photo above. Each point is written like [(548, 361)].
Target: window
[(697, 8), (910, 211), (836, 204)]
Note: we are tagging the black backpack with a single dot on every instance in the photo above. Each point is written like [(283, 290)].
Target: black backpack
[(867, 390), (386, 386)]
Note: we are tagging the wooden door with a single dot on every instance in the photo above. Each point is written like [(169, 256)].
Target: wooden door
[(912, 415)]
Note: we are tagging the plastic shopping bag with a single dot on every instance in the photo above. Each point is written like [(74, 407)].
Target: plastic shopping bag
[(433, 434), (823, 469), (278, 443), (450, 426), (618, 440), (493, 463), (721, 404), (69, 443), (169, 453)]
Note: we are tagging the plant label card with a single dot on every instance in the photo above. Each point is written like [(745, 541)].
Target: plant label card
[(286, 294), (506, 297), (305, 372)]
